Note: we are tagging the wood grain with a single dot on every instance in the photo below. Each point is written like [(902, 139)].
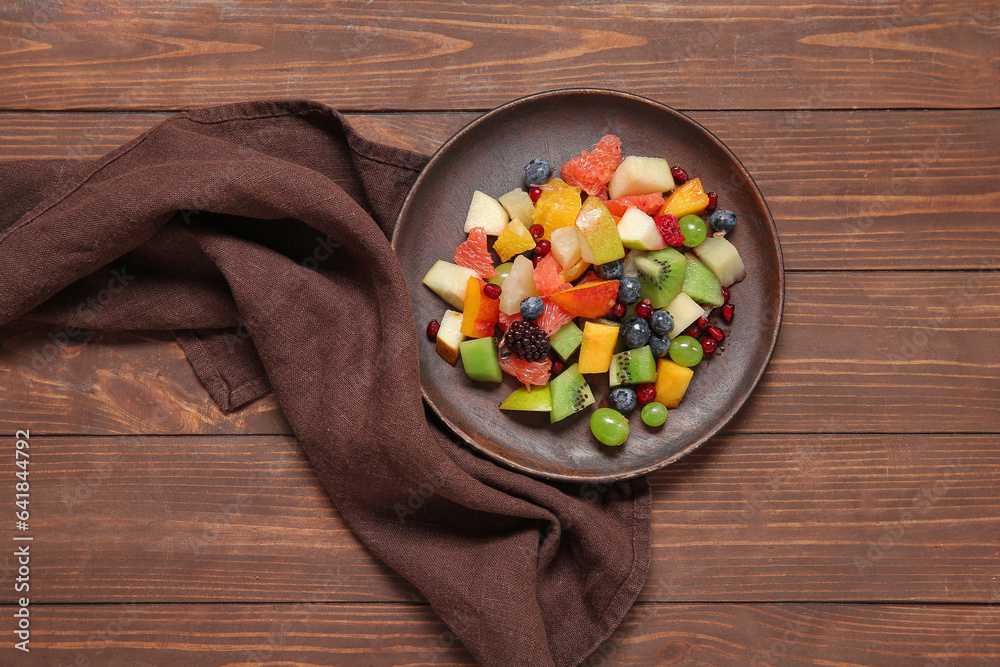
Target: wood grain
[(855, 190), (475, 55), (722, 635), (113, 383), (857, 352), (744, 518)]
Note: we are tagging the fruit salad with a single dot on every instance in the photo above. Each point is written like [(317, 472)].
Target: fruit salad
[(617, 266)]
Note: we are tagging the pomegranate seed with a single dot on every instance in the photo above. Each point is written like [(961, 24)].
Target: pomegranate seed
[(644, 309), (492, 291), (725, 295), (692, 331), (432, 329), (537, 231), (618, 311), (680, 176), (558, 366), (716, 333), (543, 248), (702, 322), (713, 201), (727, 313), (646, 393), (708, 345), (535, 193)]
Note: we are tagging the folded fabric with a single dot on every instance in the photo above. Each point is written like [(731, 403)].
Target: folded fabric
[(258, 233)]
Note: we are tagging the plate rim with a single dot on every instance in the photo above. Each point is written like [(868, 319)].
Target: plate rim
[(745, 174)]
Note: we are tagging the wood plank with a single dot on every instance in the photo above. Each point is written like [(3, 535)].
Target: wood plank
[(858, 352), (721, 635), (475, 55), (745, 518), (121, 383), (853, 190)]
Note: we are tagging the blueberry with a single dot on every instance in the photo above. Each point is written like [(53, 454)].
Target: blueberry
[(610, 271), (660, 345), (636, 333), (537, 171), (532, 308), (723, 220), (661, 322), (629, 291), (622, 399)]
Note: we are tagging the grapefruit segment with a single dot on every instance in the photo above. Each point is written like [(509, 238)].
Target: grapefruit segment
[(528, 373), (592, 171), (474, 254), (648, 204), (547, 278), (553, 318)]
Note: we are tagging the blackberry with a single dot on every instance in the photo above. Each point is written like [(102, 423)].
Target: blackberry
[(527, 341)]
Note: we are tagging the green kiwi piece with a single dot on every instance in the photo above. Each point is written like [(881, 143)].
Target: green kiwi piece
[(701, 284), (661, 274), (570, 394)]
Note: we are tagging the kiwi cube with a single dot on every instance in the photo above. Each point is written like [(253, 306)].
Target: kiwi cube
[(661, 275), (479, 357), (701, 284), (570, 394), (566, 340), (636, 366)]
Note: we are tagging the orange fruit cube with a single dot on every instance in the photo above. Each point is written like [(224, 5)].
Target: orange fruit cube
[(480, 313), (687, 199), (598, 347)]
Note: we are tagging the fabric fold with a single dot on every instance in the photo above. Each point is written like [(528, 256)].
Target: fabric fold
[(258, 233)]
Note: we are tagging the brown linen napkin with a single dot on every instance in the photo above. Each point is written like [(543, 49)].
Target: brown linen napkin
[(258, 231)]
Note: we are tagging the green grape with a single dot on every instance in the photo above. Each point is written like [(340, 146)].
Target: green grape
[(654, 414), (609, 426), (502, 272), (694, 230), (686, 351)]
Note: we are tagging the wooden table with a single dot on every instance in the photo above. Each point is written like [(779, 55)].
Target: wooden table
[(850, 515)]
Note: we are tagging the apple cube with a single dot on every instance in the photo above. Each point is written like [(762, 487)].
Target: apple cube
[(518, 286), (638, 231), (640, 176), (486, 212), (685, 312), (449, 336), (722, 258), (519, 205), (566, 246), (571, 273), (449, 282), (599, 240)]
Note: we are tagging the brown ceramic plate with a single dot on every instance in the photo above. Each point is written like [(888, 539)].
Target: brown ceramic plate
[(489, 155)]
